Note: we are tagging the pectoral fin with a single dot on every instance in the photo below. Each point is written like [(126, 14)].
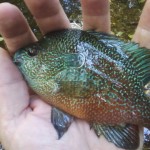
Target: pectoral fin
[(61, 121), (126, 137)]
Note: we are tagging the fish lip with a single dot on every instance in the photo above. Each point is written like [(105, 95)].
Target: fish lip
[(17, 60), (17, 63)]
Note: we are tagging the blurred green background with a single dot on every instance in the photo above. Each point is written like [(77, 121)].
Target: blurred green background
[(124, 15)]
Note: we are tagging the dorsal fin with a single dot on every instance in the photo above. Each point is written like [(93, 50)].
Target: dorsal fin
[(140, 58), (110, 38)]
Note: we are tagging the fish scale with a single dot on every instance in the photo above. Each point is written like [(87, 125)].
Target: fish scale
[(92, 76)]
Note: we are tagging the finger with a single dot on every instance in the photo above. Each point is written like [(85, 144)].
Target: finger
[(14, 97), (96, 15), (142, 33), (48, 14), (14, 28)]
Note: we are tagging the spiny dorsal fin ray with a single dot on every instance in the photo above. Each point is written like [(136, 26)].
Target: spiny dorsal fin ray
[(102, 35), (140, 58)]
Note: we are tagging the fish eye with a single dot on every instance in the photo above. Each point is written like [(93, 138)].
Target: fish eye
[(32, 52)]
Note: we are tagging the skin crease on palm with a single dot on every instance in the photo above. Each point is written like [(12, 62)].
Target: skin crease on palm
[(25, 119)]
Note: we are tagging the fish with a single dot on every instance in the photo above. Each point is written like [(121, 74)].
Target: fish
[(92, 76)]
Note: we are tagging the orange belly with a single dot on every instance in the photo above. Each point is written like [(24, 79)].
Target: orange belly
[(96, 109)]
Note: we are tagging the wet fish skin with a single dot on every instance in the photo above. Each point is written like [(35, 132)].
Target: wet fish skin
[(90, 75)]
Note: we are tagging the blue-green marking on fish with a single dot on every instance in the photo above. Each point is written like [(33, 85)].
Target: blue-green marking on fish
[(91, 76)]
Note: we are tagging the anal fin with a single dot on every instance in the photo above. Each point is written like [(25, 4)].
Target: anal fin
[(126, 137), (61, 121)]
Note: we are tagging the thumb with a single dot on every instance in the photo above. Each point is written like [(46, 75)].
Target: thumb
[(14, 96)]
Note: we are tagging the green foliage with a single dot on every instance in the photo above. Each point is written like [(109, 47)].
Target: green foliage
[(141, 1)]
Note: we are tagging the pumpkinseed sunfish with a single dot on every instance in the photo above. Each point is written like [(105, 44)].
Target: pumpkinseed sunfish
[(92, 76)]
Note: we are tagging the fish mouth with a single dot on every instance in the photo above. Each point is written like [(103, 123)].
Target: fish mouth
[(17, 59), (17, 63)]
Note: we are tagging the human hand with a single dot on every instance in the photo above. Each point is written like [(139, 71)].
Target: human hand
[(25, 119)]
